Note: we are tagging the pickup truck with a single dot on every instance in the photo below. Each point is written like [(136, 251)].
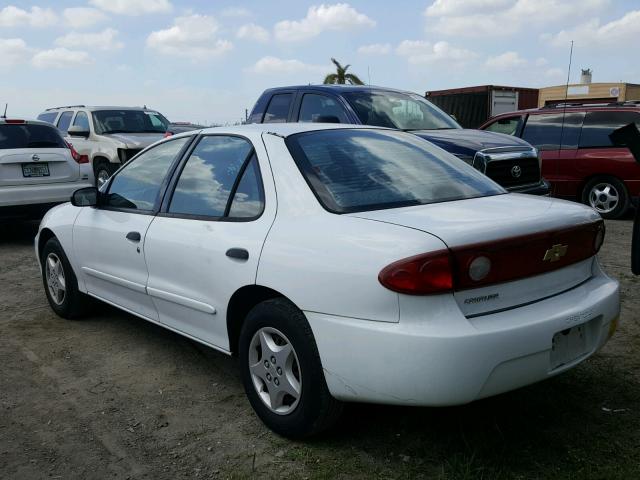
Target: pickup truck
[(509, 161)]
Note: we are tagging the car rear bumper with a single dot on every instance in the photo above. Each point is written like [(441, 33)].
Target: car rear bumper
[(429, 363), (39, 194), (542, 188)]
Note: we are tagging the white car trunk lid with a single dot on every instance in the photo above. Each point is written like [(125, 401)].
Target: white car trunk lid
[(24, 166)]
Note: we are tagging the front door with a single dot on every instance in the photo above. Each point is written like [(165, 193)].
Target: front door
[(206, 242)]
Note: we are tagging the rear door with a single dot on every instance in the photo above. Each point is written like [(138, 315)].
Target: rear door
[(32, 153), (109, 241), (207, 241)]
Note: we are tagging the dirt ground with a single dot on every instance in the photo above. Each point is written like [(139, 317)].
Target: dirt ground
[(112, 396)]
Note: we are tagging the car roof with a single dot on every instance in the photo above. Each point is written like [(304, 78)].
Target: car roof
[(281, 129), (339, 88), (587, 107), (99, 107)]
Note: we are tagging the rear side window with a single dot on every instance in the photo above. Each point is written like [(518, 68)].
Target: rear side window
[(82, 121), (353, 170), (508, 126), (48, 117), (549, 131), (320, 108), (220, 179), (599, 125), (30, 136), (278, 109), (137, 185), (64, 121)]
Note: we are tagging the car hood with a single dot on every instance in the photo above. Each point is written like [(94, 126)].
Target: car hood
[(478, 220), (467, 142), (136, 140)]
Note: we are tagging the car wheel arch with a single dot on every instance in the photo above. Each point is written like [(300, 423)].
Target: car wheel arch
[(585, 181), (45, 235), (240, 304)]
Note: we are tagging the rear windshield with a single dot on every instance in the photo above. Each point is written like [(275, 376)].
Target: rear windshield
[(129, 121), (30, 136), (353, 170)]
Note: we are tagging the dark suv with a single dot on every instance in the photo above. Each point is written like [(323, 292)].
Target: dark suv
[(582, 155), (511, 162)]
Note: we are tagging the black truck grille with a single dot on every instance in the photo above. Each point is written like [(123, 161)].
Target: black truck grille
[(127, 154), (511, 173)]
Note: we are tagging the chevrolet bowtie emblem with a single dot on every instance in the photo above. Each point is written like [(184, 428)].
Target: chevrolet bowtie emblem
[(555, 253)]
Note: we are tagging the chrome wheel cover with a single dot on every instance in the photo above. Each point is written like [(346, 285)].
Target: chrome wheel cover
[(275, 370), (603, 197), (56, 283)]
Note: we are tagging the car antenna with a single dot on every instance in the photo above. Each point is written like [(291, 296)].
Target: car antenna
[(5, 110), (566, 95)]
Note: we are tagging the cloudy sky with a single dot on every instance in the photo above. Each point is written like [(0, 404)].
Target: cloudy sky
[(207, 61)]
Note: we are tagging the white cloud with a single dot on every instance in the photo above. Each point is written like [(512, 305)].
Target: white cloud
[(193, 36), (541, 62), (236, 12), (13, 51), (270, 65), (251, 31), (61, 58), (506, 61), (83, 17), (11, 16), (421, 52), (375, 49), (478, 18), (133, 7), (620, 32), (340, 16), (105, 40)]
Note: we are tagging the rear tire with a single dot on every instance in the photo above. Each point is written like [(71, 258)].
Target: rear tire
[(279, 327), (60, 282), (606, 195)]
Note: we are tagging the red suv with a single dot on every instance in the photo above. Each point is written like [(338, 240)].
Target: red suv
[(579, 156)]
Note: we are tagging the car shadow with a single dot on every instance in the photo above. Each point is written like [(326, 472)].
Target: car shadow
[(18, 232)]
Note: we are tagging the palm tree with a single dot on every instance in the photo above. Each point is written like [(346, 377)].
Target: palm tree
[(341, 76)]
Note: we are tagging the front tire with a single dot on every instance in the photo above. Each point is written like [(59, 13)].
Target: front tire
[(102, 172), (60, 283), (606, 195), (282, 373)]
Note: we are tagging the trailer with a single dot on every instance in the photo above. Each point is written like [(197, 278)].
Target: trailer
[(472, 106)]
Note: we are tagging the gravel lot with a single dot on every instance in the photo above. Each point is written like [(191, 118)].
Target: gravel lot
[(112, 396)]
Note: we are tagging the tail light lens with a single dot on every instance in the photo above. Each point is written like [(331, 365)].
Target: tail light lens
[(14, 121), (76, 156), (419, 275)]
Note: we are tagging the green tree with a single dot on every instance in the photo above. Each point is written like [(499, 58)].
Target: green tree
[(341, 76)]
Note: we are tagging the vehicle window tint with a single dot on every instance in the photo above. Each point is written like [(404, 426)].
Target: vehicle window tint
[(320, 108), (599, 125), (353, 170), (278, 109), (30, 136), (128, 121), (248, 200), (137, 185), (209, 175), (48, 117), (548, 131), (507, 126), (82, 121), (64, 121)]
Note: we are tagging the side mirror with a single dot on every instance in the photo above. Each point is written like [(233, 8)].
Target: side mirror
[(78, 131), (85, 197)]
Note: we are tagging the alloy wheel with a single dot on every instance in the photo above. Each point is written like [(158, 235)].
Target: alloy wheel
[(102, 177), (275, 370), (55, 278), (603, 197)]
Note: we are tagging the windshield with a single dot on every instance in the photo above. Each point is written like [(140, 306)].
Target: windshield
[(352, 170), (30, 136), (129, 121), (404, 111)]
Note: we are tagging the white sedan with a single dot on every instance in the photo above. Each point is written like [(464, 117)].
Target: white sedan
[(340, 264)]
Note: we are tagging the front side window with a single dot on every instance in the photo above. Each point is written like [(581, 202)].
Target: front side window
[(352, 170), (30, 136), (82, 121), (598, 126), (552, 130), (220, 179), (278, 109), (508, 126), (320, 108), (398, 110), (138, 184), (64, 121), (129, 121)]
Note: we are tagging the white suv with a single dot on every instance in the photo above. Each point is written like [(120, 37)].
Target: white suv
[(38, 169), (109, 136)]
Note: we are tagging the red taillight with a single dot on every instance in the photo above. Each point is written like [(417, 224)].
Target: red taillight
[(76, 156), (168, 134), (419, 275), (13, 120)]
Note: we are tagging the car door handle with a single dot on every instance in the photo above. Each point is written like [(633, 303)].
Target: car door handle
[(134, 236), (239, 253)]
